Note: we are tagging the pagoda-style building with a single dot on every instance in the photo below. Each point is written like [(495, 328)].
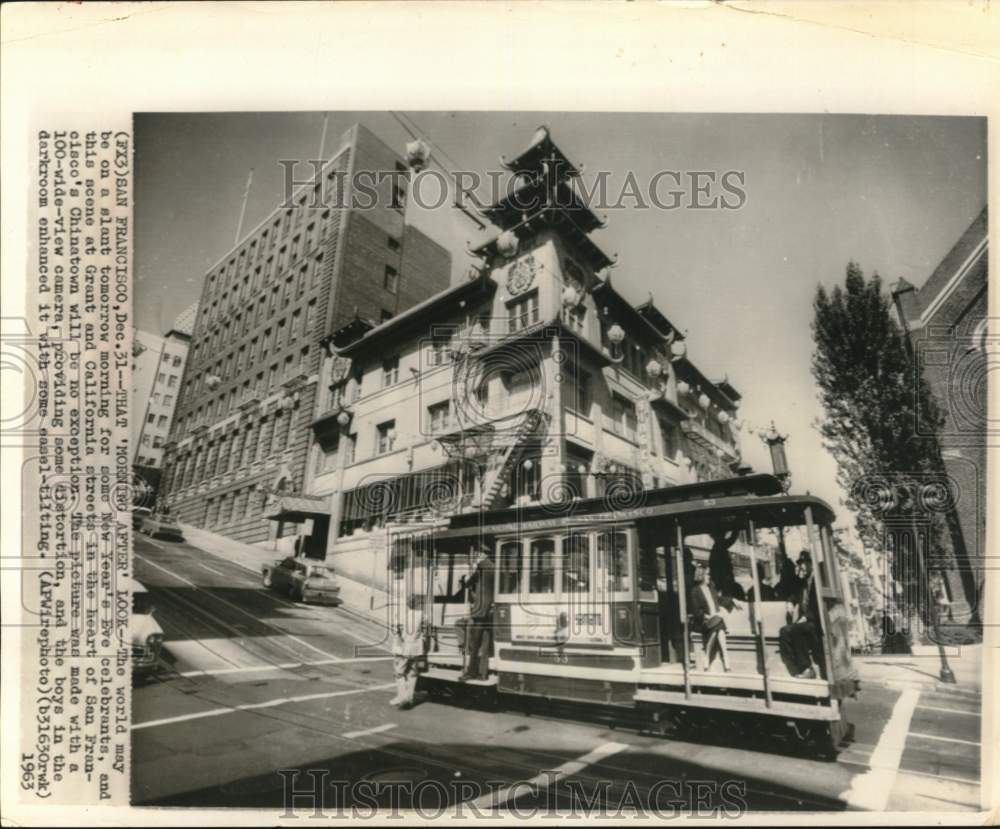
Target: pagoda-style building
[(532, 381)]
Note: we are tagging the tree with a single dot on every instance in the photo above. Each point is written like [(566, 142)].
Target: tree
[(881, 419)]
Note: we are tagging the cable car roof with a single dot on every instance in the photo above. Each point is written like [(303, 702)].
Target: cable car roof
[(704, 507)]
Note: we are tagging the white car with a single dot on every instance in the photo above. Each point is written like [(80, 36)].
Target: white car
[(147, 635)]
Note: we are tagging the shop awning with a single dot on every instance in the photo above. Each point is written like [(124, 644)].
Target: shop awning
[(296, 508)]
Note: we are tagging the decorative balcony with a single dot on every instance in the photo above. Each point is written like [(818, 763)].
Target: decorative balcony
[(250, 401), (699, 434), (294, 380)]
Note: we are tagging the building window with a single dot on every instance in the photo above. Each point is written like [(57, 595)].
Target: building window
[(336, 396), (150, 418), (622, 421), (440, 352), (390, 372), (391, 280), (172, 380), (351, 449), (385, 437), (157, 442), (526, 479), (168, 399), (671, 439), (439, 417), (146, 439), (161, 378), (393, 243), (161, 421), (522, 312)]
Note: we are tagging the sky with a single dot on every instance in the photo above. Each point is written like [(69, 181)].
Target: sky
[(892, 193)]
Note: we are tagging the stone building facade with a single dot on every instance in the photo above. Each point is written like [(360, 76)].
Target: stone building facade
[(946, 321), (241, 430)]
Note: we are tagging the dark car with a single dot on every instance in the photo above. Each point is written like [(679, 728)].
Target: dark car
[(162, 526), (138, 514), (147, 635), (302, 579)]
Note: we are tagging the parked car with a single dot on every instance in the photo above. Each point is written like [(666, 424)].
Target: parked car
[(139, 513), (162, 526), (147, 635), (302, 579)]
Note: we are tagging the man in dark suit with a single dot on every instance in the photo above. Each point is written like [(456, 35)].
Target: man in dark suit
[(706, 604), (799, 641), (476, 629)]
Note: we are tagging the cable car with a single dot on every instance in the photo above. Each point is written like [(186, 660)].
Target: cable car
[(592, 605)]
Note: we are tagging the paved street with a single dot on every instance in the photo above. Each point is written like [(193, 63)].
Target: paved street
[(253, 684)]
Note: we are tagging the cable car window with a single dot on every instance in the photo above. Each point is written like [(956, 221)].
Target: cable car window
[(510, 567), (613, 550), (576, 563), (542, 575)]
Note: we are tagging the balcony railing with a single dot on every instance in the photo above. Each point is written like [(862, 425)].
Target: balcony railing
[(701, 435)]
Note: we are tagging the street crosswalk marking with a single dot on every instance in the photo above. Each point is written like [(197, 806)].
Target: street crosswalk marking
[(943, 739), (871, 790), (285, 666), (547, 778), (949, 710), (254, 706), (378, 729)]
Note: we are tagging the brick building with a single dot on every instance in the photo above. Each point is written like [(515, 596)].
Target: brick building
[(241, 428), (533, 381), (946, 321)]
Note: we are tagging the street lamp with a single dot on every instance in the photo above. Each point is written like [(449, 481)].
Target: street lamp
[(779, 463)]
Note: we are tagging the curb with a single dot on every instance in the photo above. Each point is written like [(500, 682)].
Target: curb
[(938, 687)]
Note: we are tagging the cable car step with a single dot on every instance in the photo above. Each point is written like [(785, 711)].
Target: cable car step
[(452, 676)]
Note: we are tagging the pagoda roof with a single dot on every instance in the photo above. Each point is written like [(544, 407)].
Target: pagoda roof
[(542, 149), (533, 194), (626, 314), (728, 389), (658, 319), (563, 223)]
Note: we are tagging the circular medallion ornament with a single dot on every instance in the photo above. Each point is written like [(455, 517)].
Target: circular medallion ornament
[(521, 275)]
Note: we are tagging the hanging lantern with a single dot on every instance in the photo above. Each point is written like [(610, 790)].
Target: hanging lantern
[(343, 418), (683, 387), (582, 469), (719, 453), (570, 296), (418, 153), (616, 334), (703, 401), (654, 369), (528, 464), (507, 244), (723, 417), (737, 424), (678, 349)]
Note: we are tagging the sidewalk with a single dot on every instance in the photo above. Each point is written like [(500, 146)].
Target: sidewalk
[(920, 670), (356, 595)]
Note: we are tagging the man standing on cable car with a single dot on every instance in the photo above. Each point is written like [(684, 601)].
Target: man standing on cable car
[(476, 629), (799, 640)]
